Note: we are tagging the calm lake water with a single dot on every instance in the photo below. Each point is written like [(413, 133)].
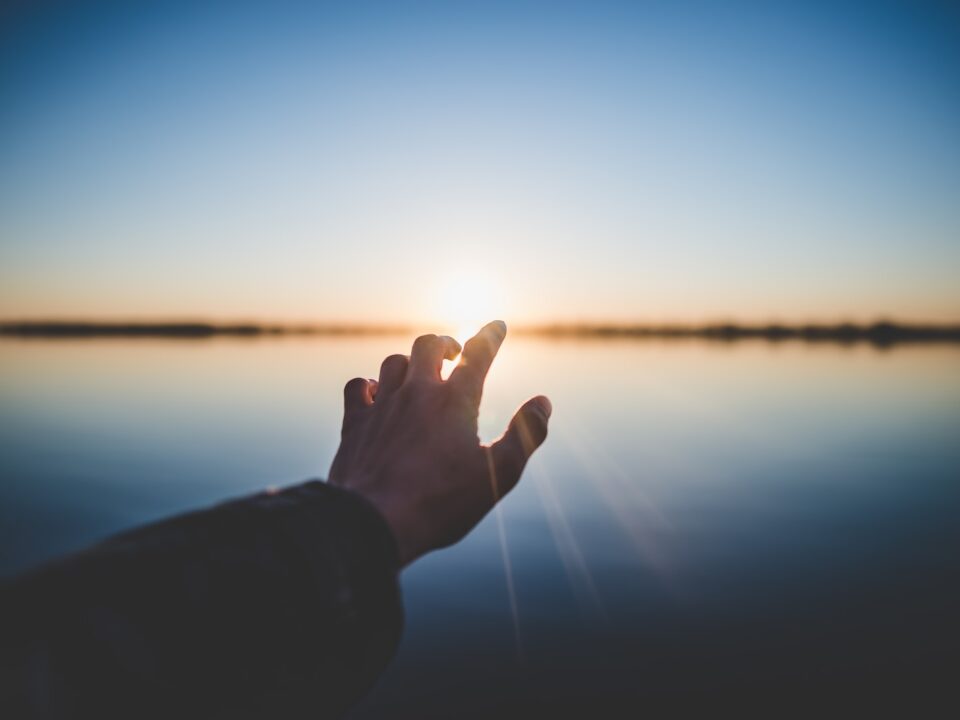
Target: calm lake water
[(703, 516)]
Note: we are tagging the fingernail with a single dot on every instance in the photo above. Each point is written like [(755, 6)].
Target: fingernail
[(545, 405), (502, 325)]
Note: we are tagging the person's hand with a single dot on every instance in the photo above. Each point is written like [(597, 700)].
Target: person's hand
[(409, 443)]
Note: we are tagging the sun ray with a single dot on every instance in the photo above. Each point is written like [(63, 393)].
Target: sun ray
[(505, 556), (638, 529), (511, 591), (571, 555)]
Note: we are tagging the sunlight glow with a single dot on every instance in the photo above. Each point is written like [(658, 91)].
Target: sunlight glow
[(465, 300)]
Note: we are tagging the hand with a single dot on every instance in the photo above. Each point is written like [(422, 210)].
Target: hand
[(409, 443)]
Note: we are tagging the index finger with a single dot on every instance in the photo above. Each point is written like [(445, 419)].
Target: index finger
[(478, 354)]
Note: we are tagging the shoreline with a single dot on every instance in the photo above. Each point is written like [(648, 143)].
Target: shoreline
[(879, 333)]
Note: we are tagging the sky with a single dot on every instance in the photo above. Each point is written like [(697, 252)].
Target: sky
[(423, 161)]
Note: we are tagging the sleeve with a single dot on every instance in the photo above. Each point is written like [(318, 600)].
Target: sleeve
[(282, 604)]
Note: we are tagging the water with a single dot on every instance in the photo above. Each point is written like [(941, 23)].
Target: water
[(703, 516)]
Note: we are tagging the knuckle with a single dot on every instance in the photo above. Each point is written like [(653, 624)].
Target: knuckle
[(354, 385), (392, 361), (425, 341)]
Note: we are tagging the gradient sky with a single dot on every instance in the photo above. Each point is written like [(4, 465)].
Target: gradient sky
[(596, 160)]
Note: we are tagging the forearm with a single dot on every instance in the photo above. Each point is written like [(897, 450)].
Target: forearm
[(273, 602)]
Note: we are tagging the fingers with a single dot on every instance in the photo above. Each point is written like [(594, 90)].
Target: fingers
[(428, 354), (357, 393), (393, 370), (478, 355), (526, 432), (357, 396)]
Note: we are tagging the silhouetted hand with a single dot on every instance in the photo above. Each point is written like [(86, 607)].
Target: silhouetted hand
[(409, 442)]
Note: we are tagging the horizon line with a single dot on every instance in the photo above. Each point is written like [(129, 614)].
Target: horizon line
[(880, 332)]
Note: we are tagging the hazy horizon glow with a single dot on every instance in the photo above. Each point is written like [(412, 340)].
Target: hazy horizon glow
[(586, 161)]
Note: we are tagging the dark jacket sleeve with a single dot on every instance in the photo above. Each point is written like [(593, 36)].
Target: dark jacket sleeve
[(278, 605)]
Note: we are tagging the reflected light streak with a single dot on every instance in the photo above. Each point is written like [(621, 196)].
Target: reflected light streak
[(578, 574), (505, 555), (637, 529), (508, 573)]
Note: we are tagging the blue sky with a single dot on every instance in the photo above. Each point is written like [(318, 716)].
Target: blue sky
[(625, 161)]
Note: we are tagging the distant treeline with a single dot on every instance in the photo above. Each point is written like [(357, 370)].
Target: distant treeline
[(880, 333), (72, 329)]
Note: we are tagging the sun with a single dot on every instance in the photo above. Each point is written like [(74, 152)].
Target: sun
[(465, 301)]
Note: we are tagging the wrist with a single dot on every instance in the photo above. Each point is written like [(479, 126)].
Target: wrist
[(404, 531)]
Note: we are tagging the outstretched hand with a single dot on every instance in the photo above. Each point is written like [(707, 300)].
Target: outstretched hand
[(409, 443)]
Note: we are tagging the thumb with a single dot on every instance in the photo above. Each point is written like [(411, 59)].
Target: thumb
[(526, 432)]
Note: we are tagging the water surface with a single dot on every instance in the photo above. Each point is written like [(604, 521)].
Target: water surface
[(703, 515)]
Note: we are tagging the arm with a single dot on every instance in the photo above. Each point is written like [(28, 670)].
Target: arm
[(260, 605), (280, 604)]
